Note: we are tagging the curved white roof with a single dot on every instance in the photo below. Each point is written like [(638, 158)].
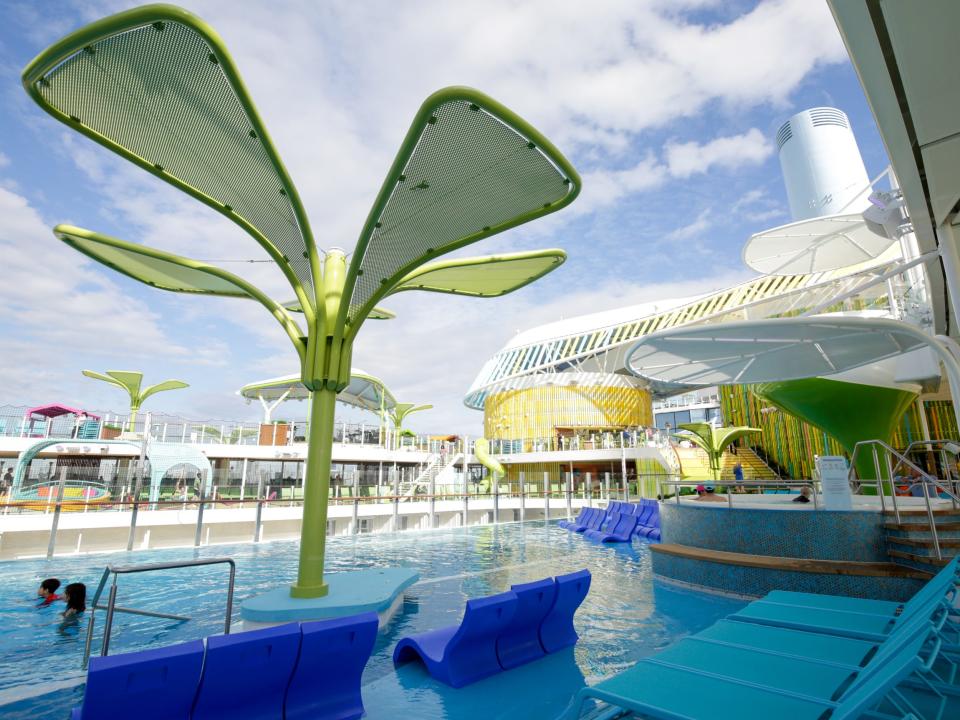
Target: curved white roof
[(769, 350), (815, 245)]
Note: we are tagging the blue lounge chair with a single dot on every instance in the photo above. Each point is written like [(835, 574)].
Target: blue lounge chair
[(578, 520), (591, 516), (519, 641), (246, 675), (556, 630), (149, 685), (621, 530), (594, 522), (326, 681), (654, 687), (464, 653)]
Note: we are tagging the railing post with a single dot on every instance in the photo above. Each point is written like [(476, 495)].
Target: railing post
[(200, 504), (356, 514), (108, 622), (606, 486), (546, 495), (523, 498), (135, 508), (569, 494), (396, 499), (933, 523), (51, 545), (589, 490), (496, 498), (466, 500), (433, 499)]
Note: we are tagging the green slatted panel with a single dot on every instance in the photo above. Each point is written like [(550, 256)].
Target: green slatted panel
[(469, 172), (159, 92)]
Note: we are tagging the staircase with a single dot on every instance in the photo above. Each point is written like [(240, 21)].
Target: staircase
[(910, 542), (696, 465), (437, 465)]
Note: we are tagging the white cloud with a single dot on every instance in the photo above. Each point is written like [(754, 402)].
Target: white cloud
[(692, 229), (689, 158)]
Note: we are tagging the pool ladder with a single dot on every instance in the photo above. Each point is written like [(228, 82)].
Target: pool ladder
[(111, 607)]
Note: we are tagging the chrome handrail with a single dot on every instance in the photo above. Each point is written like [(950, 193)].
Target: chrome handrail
[(111, 607), (924, 478)]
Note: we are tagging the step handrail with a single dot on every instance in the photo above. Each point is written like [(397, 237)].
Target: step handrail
[(925, 478), (111, 607)]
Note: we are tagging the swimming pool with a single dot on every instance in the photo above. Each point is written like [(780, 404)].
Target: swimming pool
[(625, 617)]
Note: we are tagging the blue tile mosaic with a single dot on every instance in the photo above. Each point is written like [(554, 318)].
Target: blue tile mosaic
[(757, 582), (818, 535)]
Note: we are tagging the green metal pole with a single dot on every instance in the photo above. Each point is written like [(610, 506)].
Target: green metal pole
[(316, 495), (131, 425)]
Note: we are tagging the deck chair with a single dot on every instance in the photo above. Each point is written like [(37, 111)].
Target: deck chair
[(621, 530), (556, 630), (246, 675), (326, 681), (462, 654), (519, 641), (155, 684)]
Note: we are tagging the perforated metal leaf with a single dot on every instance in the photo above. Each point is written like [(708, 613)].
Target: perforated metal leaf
[(157, 86), (468, 168), (487, 276), (153, 267)]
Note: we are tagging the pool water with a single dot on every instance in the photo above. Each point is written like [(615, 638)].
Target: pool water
[(626, 616)]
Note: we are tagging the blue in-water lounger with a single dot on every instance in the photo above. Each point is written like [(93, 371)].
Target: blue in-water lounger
[(578, 520), (519, 641), (464, 653), (246, 675), (593, 518), (620, 531), (155, 684), (326, 681), (556, 630)]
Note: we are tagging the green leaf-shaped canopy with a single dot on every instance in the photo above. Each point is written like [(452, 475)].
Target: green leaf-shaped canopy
[(468, 168), (157, 86), (166, 271), (487, 276)]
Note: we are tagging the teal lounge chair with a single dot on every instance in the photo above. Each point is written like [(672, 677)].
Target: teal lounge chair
[(932, 598), (657, 687)]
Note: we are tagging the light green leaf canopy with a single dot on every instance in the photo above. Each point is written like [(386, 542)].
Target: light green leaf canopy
[(131, 381), (167, 271), (487, 276), (402, 410), (378, 313), (364, 391), (157, 85), (713, 440)]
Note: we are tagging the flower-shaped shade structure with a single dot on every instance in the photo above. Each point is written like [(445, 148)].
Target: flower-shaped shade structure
[(157, 86)]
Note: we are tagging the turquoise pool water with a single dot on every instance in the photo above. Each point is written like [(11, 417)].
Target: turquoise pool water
[(626, 616)]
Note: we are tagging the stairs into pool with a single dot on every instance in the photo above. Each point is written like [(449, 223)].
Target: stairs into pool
[(910, 542)]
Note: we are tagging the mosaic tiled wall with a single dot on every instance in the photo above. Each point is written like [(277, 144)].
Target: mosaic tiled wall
[(757, 582), (819, 535), (792, 443)]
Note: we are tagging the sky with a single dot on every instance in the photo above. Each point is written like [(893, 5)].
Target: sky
[(667, 108)]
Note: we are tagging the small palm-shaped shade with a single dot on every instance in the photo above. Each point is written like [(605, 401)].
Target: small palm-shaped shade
[(131, 381), (402, 410), (713, 440), (157, 86)]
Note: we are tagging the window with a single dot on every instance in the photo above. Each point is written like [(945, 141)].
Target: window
[(404, 522), (364, 526)]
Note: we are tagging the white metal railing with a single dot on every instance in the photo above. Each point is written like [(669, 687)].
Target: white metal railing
[(636, 437)]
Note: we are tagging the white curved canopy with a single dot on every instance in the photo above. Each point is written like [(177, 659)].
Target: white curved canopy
[(815, 245), (364, 391), (769, 350)]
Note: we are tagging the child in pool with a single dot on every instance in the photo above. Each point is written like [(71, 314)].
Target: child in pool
[(47, 592), (75, 595)]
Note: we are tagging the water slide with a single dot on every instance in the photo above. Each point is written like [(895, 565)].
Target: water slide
[(481, 449)]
